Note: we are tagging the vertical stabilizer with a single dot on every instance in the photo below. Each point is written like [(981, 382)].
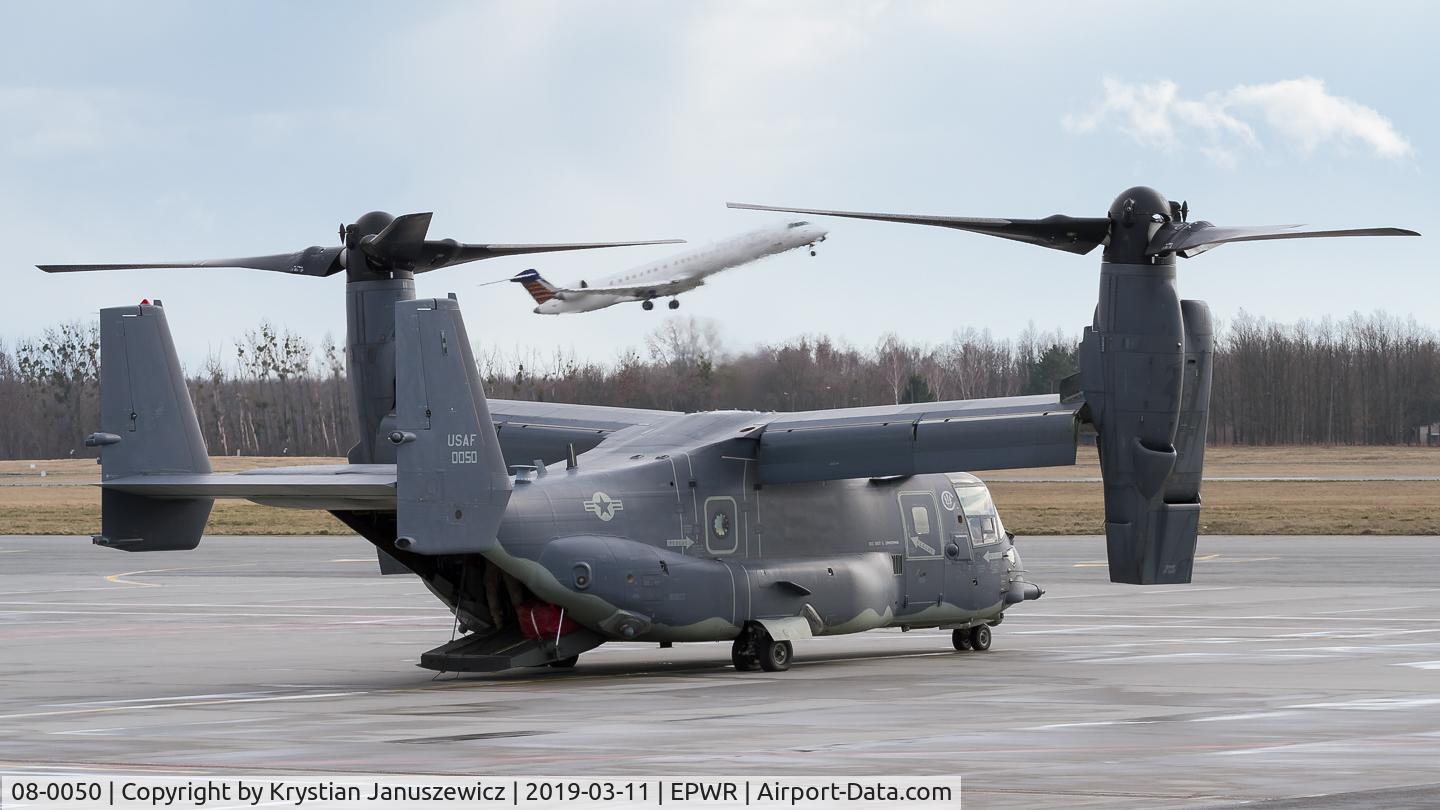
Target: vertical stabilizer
[(452, 483), (539, 289), (148, 426)]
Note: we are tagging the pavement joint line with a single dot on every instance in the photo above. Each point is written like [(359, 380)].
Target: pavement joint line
[(141, 707), (117, 578)]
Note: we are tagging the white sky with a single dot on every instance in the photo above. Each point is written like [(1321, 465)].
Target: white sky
[(169, 131)]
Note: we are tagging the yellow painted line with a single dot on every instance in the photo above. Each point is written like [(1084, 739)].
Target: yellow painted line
[(118, 579), (1248, 559)]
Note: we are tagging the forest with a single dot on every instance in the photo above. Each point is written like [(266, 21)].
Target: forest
[(1363, 380)]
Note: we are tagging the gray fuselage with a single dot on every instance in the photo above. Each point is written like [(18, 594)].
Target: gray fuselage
[(662, 534)]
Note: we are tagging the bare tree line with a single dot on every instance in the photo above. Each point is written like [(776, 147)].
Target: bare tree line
[(1363, 380)]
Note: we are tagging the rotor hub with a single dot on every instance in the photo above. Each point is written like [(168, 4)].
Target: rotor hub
[(1135, 217)]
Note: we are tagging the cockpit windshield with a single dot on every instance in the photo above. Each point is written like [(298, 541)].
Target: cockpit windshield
[(981, 519)]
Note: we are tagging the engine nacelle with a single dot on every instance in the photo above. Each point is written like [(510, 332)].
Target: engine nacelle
[(1145, 367)]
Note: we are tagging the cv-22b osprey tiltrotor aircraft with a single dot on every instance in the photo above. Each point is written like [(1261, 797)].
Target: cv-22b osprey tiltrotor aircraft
[(550, 529)]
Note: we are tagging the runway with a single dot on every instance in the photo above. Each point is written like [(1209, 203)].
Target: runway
[(1292, 667)]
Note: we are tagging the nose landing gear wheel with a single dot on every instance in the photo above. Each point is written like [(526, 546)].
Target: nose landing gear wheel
[(980, 637), (961, 639), (647, 305)]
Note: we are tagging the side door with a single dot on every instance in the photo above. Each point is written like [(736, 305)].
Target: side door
[(961, 573), (924, 549), (974, 580)]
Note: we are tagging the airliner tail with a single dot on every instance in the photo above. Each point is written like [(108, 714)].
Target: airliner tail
[(539, 289)]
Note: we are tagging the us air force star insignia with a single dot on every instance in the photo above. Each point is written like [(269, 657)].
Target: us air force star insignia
[(603, 506)]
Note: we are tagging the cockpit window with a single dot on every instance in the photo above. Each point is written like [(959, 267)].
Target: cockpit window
[(797, 224), (979, 515)]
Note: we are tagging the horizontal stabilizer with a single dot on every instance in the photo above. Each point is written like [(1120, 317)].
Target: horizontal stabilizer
[(322, 486)]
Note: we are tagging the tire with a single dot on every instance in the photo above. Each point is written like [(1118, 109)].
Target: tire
[(647, 305), (775, 655), (566, 663), (742, 654), (674, 303), (980, 637), (961, 639)]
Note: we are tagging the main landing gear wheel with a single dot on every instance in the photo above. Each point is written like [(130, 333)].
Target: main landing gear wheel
[(566, 663), (980, 637), (647, 305), (774, 655), (742, 653), (674, 303), (961, 639)]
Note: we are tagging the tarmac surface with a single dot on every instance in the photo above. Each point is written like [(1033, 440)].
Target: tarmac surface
[(1294, 668)]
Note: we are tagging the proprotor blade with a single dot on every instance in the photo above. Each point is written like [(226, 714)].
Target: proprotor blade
[(1193, 238), (468, 253), (1059, 232), (312, 261)]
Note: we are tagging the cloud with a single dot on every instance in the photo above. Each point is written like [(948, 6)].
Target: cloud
[(1300, 112), (1303, 111)]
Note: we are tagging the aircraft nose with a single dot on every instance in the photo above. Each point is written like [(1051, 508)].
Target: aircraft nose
[(537, 311)]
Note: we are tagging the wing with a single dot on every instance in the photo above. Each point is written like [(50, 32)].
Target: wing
[(547, 430), (973, 434), (664, 287)]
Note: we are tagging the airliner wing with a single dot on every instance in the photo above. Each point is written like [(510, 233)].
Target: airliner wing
[(667, 286)]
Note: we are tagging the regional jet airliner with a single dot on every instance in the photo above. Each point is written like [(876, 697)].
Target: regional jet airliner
[(670, 276)]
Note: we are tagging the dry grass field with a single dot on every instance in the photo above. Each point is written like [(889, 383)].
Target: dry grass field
[(57, 497), (1281, 462), (1233, 507), (1055, 500)]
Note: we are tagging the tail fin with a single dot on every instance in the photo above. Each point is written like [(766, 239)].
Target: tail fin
[(452, 483), (540, 289), (147, 425)]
